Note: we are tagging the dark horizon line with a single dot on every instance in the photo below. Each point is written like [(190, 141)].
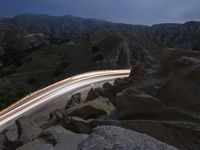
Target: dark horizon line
[(50, 15)]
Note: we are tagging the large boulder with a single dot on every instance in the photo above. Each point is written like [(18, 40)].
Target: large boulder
[(187, 68), (64, 139), (96, 109), (150, 84), (181, 94), (111, 137), (119, 85), (27, 130), (133, 104), (170, 55), (183, 63), (181, 134)]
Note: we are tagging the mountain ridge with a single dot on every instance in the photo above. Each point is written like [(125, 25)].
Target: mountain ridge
[(37, 50)]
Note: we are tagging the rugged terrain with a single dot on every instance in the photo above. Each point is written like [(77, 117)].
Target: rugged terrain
[(37, 50), (152, 109)]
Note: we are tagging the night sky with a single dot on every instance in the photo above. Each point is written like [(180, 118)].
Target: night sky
[(126, 11)]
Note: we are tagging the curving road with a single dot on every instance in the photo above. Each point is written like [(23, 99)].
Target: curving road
[(53, 93)]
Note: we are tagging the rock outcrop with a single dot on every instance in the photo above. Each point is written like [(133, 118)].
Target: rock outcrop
[(97, 108), (132, 103), (111, 137), (75, 99), (171, 57), (27, 130), (64, 139), (92, 94), (12, 133), (187, 68), (180, 134), (179, 93)]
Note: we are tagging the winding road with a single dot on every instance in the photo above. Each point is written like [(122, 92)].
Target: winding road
[(53, 93)]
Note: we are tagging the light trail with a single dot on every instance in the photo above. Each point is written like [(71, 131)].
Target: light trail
[(40, 98)]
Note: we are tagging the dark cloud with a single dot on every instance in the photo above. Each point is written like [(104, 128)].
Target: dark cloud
[(127, 11)]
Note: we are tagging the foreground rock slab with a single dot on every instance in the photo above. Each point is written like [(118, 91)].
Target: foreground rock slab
[(65, 139), (181, 94), (112, 138), (182, 135), (132, 103)]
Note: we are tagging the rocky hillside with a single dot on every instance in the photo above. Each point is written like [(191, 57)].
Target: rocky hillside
[(152, 109), (37, 50), (185, 36), (24, 33)]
